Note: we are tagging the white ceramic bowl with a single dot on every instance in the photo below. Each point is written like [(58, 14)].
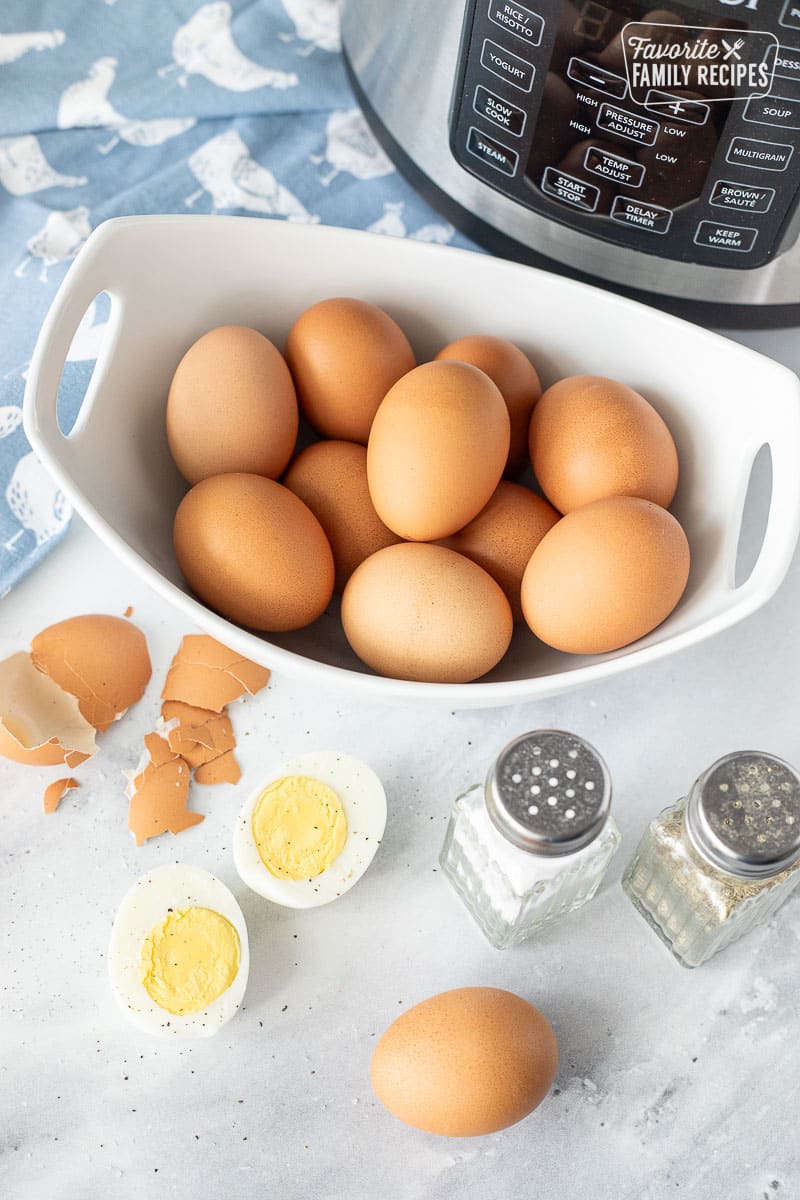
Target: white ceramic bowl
[(171, 278)]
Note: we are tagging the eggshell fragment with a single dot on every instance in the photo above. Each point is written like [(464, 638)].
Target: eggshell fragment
[(419, 611), (254, 552), (198, 744), (516, 377), (159, 794), (466, 1062), (344, 355), (99, 659), (592, 437), (207, 675), (55, 791), (504, 535), (437, 449), (40, 723), (605, 575), (224, 769), (185, 714), (331, 478), (231, 406)]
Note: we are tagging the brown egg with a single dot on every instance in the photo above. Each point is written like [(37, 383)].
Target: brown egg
[(514, 374), (331, 478), (504, 535), (592, 437), (100, 660), (254, 552), (437, 450), (605, 575), (344, 355), (231, 406), (466, 1062), (417, 611)]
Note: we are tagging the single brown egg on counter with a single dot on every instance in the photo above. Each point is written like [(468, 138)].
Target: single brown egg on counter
[(504, 535), (253, 552), (592, 437), (331, 478), (231, 406), (466, 1062), (516, 377), (437, 449), (423, 612), (344, 355), (605, 575)]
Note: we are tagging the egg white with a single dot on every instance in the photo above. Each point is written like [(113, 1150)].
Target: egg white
[(364, 802), (143, 906)]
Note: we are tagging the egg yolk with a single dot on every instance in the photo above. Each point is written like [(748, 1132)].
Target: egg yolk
[(189, 959), (299, 827)]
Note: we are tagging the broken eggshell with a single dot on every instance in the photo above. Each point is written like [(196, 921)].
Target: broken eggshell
[(55, 792), (206, 674), (40, 724), (159, 792), (100, 660)]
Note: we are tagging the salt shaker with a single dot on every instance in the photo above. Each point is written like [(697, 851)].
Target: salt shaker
[(534, 842), (722, 860)]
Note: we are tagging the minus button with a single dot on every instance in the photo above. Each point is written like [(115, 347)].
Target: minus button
[(588, 74)]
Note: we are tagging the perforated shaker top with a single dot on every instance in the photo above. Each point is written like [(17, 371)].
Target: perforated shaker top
[(549, 792), (744, 814)]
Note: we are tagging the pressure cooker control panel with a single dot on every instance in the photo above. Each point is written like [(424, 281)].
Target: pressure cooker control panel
[(674, 130)]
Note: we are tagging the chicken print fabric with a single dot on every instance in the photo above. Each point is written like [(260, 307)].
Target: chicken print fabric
[(116, 107)]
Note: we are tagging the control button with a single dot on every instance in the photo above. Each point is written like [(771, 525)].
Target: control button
[(507, 66), (614, 166), (519, 20), (589, 75), (651, 217), (614, 119), (491, 152), (742, 196), (570, 190), (787, 63), (773, 110), (790, 16), (498, 111), (765, 156), (667, 105), (725, 237)]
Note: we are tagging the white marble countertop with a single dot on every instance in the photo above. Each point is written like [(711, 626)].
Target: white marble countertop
[(671, 1082)]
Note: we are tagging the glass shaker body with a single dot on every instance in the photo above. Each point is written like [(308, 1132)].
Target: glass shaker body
[(721, 861), (564, 836)]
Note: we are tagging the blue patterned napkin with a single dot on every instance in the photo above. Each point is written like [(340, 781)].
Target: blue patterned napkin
[(114, 107)]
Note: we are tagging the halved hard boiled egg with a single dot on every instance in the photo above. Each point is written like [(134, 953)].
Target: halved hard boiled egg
[(179, 956), (307, 835)]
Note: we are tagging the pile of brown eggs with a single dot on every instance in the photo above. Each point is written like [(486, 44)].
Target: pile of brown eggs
[(407, 506)]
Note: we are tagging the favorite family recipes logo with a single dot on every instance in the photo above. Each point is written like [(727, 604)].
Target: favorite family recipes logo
[(714, 63)]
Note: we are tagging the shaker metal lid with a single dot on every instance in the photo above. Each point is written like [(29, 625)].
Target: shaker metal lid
[(549, 792), (743, 814)]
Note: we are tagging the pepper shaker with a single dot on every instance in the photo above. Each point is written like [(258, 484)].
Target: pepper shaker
[(721, 860), (534, 842)]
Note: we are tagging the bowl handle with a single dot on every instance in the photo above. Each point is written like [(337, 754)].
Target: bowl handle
[(783, 519), (86, 278)]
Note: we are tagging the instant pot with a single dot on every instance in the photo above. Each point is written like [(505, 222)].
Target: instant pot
[(655, 149)]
